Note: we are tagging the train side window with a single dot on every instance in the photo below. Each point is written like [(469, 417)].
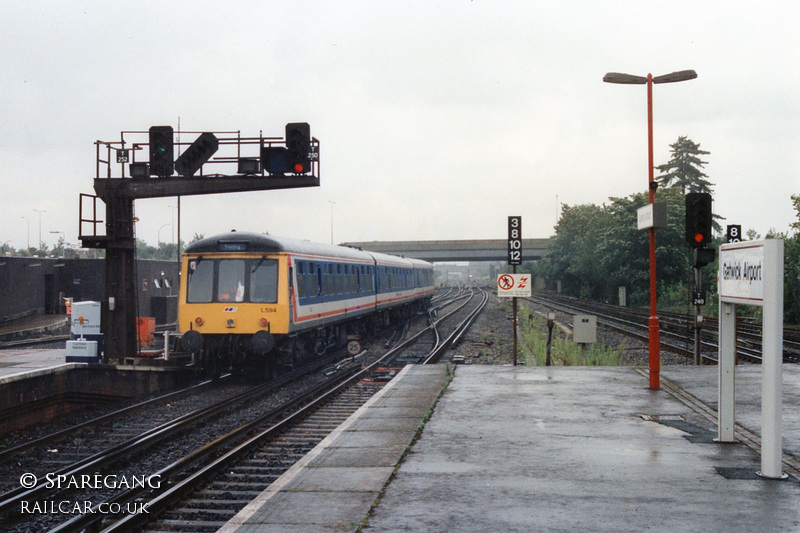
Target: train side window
[(312, 288), (200, 285), (329, 288), (350, 276), (337, 279), (300, 274), (231, 280), (263, 281)]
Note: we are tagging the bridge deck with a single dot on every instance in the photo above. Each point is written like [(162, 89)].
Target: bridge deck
[(466, 250)]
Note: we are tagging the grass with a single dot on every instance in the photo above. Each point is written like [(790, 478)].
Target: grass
[(563, 352)]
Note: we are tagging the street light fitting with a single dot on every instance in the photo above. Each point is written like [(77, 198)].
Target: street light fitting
[(625, 79), (681, 75), (630, 79)]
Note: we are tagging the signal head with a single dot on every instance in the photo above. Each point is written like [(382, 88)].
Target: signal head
[(698, 218), (298, 146), (161, 151)]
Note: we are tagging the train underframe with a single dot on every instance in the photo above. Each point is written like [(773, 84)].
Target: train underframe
[(236, 354)]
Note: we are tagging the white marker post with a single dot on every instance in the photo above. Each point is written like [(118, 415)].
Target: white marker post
[(751, 273)]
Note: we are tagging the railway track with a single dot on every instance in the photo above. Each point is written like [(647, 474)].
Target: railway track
[(88, 467), (458, 310), (206, 475), (677, 330)]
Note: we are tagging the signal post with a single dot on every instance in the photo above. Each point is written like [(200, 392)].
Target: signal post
[(698, 234), (278, 163)]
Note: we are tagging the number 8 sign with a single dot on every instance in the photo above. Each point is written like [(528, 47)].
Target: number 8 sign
[(734, 233)]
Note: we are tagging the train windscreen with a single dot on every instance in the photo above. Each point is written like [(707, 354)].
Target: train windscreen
[(201, 281), (264, 280), (232, 280)]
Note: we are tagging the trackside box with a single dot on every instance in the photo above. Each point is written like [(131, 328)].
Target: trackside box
[(89, 313), (82, 352)]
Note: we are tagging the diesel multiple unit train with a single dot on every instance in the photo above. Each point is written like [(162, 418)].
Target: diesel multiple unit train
[(258, 303)]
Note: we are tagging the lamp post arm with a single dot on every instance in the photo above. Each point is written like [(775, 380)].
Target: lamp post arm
[(681, 75), (624, 79)]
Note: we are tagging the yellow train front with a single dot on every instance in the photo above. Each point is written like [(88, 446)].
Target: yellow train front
[(257, 303)]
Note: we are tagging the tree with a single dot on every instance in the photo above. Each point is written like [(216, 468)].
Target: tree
[(791, 275), (796, 204), (597, 249), (164, 251), (684, 168), (571, 253)]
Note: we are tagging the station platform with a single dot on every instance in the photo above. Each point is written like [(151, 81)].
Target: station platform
[(21, 363), (33, 326), (540, 449)]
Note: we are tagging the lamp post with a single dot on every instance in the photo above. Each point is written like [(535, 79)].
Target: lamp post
[(331, 202), (654, 337), (28, 249), (177, 209), (64, 237), (40, 211), (159, 232)]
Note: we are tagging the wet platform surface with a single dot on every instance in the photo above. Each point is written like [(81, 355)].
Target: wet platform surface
[(540, 449), (19, 363), (32, 326)]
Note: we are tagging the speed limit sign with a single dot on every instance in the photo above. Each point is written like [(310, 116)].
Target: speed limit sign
[(353, 347)]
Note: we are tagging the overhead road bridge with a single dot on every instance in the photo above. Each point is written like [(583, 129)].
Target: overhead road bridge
[(447, 251)]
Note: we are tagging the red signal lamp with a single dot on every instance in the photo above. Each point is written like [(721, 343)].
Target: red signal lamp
[(698, 238), (298, 167)]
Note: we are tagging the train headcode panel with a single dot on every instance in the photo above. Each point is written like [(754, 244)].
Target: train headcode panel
[(514, 240)]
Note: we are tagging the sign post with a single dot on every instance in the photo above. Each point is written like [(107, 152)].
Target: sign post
[(514, 259), (751, 273), (511, 286)]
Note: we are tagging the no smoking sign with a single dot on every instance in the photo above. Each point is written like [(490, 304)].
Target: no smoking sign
[(513, 285)]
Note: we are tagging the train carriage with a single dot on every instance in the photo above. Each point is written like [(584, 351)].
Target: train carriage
[(252, 300)]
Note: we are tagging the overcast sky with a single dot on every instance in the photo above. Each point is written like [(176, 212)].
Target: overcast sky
[(436, 120)]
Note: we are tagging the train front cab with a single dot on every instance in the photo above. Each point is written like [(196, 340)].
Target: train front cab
[(232, 307)]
